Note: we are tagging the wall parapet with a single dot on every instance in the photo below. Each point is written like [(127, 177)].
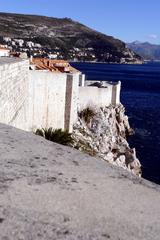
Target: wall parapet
[(99, 94)]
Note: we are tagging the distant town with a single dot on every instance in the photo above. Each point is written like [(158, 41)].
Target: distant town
[(28, 48), (18, 46)]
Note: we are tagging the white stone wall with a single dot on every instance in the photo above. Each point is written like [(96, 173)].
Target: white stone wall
[(13, 92), (47, 93), (42, 99), (116, 90), (92, 96), (82, 80), (4, 53), (71, 104), (53, 100)]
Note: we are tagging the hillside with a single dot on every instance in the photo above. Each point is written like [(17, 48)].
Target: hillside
[(146, 50), (61, 38)]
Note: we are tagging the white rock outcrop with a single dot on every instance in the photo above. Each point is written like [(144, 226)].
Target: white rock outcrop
[(105, 136)]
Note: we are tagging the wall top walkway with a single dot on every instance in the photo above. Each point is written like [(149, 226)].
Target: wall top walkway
[(103, 83), (7, 60), (57, 192)]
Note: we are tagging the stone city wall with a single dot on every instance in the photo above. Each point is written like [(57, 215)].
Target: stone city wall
[(52, 100), (13, 92), (42, 99), (46, 100), (71, 104), (93, 96)]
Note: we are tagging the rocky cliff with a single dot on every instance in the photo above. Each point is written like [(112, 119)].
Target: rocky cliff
[(104, 134)]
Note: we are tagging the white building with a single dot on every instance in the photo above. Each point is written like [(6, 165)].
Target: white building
[(4, 52)]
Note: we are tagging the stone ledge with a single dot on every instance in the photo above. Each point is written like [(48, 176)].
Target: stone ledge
[(8, 60), (48, 191)]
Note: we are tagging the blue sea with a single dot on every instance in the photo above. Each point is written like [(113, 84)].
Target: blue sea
[(140, 95)]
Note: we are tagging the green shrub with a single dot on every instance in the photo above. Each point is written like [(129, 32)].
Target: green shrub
[(87, 114), (56, 135), (39, 132)]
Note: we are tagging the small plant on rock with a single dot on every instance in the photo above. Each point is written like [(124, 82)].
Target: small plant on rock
[(56, 135), (87, 114)]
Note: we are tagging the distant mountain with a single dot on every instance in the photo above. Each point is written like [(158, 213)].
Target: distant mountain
[(146, 50), (62, 37)]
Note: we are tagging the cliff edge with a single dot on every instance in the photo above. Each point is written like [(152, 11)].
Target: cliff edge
[(48, 191), (103, 132)]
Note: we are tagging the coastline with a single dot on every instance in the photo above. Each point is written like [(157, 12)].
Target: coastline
[(140, 96), (108, 63)]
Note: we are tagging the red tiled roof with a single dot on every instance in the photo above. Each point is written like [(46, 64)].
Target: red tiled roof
[(60, 66)]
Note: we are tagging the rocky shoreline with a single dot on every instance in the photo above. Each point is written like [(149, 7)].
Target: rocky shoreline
[(105, 136)]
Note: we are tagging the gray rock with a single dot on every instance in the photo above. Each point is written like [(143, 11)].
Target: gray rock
[(107, 135)]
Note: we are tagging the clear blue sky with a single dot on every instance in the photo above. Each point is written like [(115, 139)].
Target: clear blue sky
[(127, 20)]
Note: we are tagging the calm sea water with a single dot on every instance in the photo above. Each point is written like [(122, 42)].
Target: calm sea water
[(141, 96)]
